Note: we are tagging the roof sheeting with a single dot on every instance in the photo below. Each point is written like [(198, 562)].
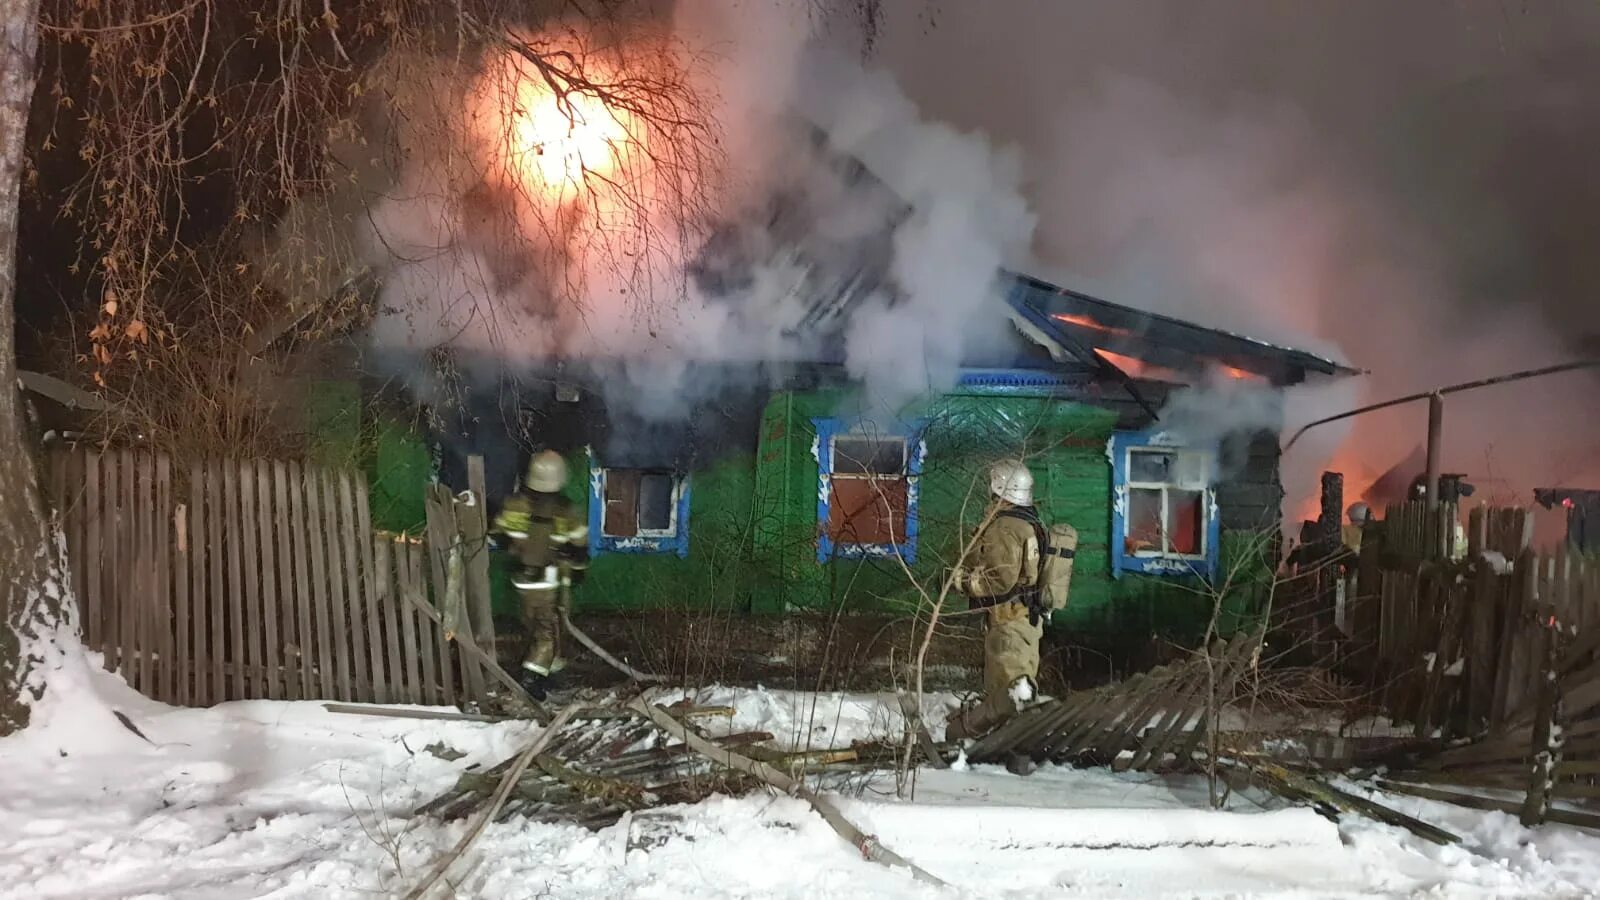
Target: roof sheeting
[(1088, 327)]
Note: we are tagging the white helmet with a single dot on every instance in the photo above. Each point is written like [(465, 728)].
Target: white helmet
[(1011, 481), (1359, 513), (547, 472)]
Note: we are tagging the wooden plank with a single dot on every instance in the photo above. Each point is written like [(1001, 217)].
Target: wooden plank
[(221, 600), (474, 526), (317, 541), (200, 597), (399, 686), (267, 539), (292, 661), (442, 536), (363, 585), (298, 526), (1511, 627), (250, 541), (385, 589), (182, 616), (89, 587), (1089, 724), (128, 582), (113, 579), (427, 648), (167, 518), (382, 593), (418, 664), (338, 598), (237, 620), (148, 559)]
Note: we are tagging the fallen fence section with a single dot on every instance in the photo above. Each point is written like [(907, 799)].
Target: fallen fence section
[(1153, 720)]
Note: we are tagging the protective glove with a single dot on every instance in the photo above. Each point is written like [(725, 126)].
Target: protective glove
[(1038, 612)]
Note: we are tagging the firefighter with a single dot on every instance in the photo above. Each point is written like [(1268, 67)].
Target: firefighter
[(1002, 577), (1360, 515), (549, 541)]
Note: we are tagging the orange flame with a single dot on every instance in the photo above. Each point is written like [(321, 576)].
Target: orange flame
[(1138, 368), (1237, 373), (1087, 322), (549, 143)]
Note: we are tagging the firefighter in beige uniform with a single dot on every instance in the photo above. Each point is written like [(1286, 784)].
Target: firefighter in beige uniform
[(549, 539), (1004, 576)]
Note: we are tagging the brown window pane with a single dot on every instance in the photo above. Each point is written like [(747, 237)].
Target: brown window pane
[(1185, 521), (1143, 521), (622, 503), (867, 511)]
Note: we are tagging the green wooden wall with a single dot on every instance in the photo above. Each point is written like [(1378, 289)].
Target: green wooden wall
[(753, 522)]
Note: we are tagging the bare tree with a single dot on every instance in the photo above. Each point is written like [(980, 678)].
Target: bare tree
[(32, 591)]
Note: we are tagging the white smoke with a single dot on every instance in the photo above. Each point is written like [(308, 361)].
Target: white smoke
[(1235, 214), (918, 256)]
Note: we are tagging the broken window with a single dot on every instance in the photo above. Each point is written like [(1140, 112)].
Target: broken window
[(1166, 514), (640, 503), (867, 500)]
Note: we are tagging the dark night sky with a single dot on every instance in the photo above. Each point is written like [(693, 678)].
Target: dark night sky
[(1412, 183)]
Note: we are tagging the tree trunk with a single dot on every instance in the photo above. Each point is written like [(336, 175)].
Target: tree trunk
[(32, 591)]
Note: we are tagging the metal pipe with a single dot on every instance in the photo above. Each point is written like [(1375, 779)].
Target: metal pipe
[(1435, 446), (1452, 389)]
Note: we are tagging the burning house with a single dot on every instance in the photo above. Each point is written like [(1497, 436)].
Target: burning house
[(793, 491), (807, 425)]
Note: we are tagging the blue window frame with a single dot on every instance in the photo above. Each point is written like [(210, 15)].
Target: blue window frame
[(637, 510), (868, 488), (1164, 517)]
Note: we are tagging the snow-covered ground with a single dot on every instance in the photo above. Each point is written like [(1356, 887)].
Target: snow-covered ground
[(288, 800)]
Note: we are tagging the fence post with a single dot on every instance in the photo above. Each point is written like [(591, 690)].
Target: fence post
[(474, 525), (1547, 724)]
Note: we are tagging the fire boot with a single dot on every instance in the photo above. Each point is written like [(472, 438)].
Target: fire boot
[(537, 684)]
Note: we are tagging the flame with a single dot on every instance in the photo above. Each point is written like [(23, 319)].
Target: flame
[(557, 139), (549, 144), (1087, 322), (1138, 368), (1237, 373)]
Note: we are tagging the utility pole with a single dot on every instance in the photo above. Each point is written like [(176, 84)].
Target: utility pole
[(1435, 446)]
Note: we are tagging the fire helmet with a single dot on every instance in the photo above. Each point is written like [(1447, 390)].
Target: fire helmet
[(1359, 513), (547, 472), (1010, 480)]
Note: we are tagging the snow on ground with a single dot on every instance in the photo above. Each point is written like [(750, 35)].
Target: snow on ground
[(266, 799)]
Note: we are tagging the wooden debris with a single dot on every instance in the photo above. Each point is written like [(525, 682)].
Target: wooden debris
[(1473, 801), (1300, 787), (866, 843), (507, 782), (1155, 714)]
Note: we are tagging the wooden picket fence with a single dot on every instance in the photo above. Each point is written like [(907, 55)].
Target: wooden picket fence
[(1459, 633), (254, 579)]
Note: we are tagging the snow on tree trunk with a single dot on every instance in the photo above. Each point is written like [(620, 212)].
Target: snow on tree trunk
[(33, 588)]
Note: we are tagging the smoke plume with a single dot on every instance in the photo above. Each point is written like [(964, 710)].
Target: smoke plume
[(790, 251), (1401, 186)]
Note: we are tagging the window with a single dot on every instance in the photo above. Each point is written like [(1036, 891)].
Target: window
[(638, 510), (1164, 512), (867, 492)]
